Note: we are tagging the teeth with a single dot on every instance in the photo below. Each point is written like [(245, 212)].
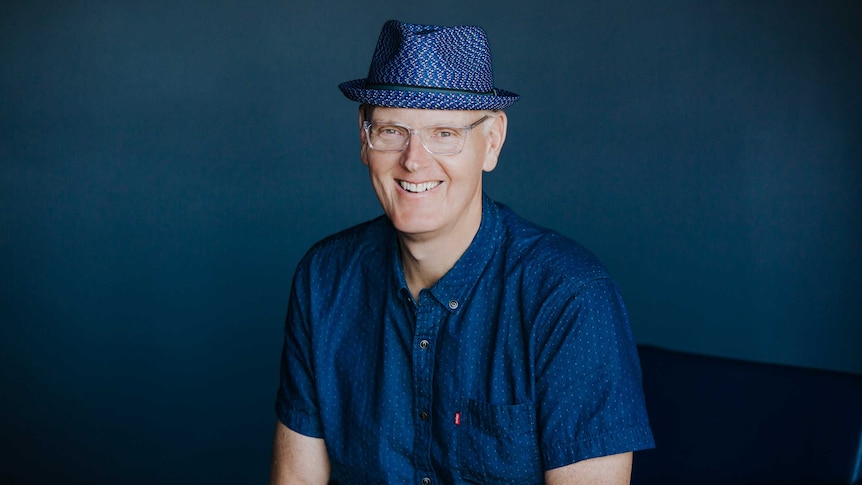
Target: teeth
[(416, 188)]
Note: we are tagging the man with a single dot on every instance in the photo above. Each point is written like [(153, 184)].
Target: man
[(450, 341)]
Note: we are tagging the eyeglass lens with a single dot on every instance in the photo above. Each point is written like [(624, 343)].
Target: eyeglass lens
[(441, 140)]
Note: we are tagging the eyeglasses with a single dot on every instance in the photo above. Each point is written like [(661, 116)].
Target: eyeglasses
[(438, 140)]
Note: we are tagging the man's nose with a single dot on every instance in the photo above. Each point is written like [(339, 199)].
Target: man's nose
[(415, 155)]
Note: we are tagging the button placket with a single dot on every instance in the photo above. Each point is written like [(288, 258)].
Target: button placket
[(428, 317)]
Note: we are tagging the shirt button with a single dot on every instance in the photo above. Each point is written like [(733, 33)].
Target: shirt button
[(426, 481), (423, 344), (453, 304), (423, 416)]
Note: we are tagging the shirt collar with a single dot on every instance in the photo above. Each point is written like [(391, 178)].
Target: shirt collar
[(454, 287)]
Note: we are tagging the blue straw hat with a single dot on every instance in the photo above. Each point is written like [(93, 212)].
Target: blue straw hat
[(431, 67)]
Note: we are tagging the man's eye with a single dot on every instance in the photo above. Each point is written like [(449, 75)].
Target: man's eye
[(390, 131), (446, 133)]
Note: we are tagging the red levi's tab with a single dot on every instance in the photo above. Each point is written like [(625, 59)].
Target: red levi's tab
[(457, 419)]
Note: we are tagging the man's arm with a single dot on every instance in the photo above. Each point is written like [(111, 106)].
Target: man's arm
[(298, 459), (604, 470)]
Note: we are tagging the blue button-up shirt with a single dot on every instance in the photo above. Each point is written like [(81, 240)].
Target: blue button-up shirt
[(520, 359)]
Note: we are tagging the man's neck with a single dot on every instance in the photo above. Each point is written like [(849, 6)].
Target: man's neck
[(426, 259)]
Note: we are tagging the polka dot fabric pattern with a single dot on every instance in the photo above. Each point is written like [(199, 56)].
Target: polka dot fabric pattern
[(430, 67), (520, 359)]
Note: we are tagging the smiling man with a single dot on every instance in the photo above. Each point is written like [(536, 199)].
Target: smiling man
[(449, 340)]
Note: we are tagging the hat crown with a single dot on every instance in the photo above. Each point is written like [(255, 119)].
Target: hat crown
[(452, 58)]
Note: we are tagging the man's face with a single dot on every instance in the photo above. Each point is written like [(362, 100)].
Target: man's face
[(427, 195)]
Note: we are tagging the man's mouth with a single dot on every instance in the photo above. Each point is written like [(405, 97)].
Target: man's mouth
[(417, 188)]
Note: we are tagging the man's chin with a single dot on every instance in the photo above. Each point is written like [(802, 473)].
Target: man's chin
[(415, 223), (414, 229)]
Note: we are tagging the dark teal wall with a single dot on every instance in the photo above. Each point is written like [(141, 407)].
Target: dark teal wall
[(165, 164)]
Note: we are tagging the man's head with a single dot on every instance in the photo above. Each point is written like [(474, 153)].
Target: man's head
[(430, 123)]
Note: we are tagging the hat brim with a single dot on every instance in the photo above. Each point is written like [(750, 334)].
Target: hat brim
[(394, 98)]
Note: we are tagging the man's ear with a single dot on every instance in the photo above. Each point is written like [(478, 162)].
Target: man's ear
[(496, 136), (363, 143)]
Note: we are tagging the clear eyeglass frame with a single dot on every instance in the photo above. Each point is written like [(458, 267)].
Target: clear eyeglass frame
[(426, 137)]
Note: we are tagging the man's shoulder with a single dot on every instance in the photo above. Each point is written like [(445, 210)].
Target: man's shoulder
[(548, 253), (353, 243)]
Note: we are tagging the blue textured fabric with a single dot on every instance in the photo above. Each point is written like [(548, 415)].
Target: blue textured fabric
[(430, 67), (520, 359)]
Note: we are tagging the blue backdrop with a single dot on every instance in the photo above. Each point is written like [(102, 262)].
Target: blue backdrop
[(165, 165)]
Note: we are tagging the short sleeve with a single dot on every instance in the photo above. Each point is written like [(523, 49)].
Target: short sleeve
[(589, 391), (296, 404)]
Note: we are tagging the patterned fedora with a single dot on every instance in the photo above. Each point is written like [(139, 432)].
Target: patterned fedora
[(431, 67)]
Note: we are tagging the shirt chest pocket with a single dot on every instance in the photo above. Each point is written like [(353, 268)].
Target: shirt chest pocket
[(498, 443)]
